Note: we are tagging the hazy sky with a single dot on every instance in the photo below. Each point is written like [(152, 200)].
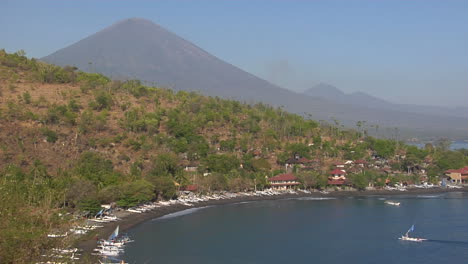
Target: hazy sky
[(403, 51)]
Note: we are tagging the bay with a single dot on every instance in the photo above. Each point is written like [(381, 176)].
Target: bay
[(453, 146), (309, 230)]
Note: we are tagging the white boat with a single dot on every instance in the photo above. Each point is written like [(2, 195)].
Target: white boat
[(414, 239), (58, 235), (406, 236), (392, 203)]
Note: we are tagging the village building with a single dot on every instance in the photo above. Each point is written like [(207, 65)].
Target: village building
[(189, 188), (458, 176), (360, 163), (339, 165), (299, 161), (283, 181), (338, 177), (189, 166)]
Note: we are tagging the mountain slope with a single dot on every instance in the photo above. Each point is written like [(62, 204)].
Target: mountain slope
[(139, 49)]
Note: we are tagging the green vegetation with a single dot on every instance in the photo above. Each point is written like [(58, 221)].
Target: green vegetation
[(79, 140)]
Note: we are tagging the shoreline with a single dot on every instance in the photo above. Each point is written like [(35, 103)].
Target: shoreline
[(130, 220)]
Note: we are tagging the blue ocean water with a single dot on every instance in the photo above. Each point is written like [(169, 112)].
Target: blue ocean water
[(309, 230), (454, 146)]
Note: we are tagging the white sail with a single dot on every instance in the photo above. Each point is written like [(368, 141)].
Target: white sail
[(114, 234)]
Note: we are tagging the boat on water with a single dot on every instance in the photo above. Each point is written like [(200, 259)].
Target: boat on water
[(392, 203), (406, 236)]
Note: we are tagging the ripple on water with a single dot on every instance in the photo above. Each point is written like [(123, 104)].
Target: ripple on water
[(181, 213), (313, 198)]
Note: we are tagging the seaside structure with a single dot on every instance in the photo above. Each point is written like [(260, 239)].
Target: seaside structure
[(360, 163), (299, 161), (338, 177), (340, 165), (458, 176), (189, 188), (283, 181)]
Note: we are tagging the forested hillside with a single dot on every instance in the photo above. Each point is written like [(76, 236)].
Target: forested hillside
[(70, 141)]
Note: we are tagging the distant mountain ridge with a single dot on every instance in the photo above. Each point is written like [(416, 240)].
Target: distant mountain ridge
[(139, 49), (332, 93)]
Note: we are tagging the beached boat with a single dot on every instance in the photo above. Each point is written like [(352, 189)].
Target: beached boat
[(58, 235), (406, 236), (393, 203), (112, 261)]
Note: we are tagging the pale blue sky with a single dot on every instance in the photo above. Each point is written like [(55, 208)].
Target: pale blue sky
[(403, 51)]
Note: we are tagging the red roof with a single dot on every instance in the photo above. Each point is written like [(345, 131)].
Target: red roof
[(337, 172), (461, 171), (360, 162), (284, 177), (190, 188)]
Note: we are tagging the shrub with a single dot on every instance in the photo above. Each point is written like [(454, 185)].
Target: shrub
[(51, 136), (27, 97), (89, 205)]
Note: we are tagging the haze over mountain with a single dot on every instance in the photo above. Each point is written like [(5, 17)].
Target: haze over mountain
[(139, 49), (334, 94)]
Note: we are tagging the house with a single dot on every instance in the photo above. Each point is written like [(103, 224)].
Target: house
[(190, 188), (338, 177), (283, 181), (360, 163), (458, 176), (339, 165), (299, 161), (189, 166)]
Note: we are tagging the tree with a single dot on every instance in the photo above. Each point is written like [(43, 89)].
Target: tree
[(163, 186), (94, 167), (298, 148), (442, 144), (137, 192), (384, 148), (312, 179), (360, 181), (450, 160), (222, 163), (89, 205), (165, 164)]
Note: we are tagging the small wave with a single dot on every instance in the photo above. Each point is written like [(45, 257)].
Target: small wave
[(428, 196), (246, 202), (181, 213), (313, 198)]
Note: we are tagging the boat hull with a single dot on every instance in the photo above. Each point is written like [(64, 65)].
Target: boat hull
[(412, 239)]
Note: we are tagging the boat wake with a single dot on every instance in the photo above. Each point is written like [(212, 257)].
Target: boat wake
[(453, 242), (181, 213)]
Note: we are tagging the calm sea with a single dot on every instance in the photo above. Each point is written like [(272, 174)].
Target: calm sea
[(455, 144), (309, 230)]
